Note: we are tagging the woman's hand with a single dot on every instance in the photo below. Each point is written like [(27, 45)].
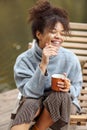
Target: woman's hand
[(48, 51), (64, 86)]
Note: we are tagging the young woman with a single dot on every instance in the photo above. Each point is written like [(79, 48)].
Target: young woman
[(33, 70)]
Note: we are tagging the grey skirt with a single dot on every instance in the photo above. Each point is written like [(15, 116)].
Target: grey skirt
[(57, 103)]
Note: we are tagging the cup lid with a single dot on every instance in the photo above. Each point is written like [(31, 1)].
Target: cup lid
[(58, 76)]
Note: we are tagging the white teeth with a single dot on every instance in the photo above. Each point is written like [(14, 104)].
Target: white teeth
[(55, 42)]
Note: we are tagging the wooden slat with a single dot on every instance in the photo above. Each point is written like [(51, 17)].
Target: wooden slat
[(79, 52), (82, 58), (74, 45), (84, 71), (78, 119), (83, 98), (84, 84), (77, 39), (80, 123), (83, 105), (78, 26), (83, 116), (79, 33), (85, 65), (85, 78), (84, 91)]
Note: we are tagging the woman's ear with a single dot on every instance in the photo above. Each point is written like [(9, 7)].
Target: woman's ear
[(38, 35)]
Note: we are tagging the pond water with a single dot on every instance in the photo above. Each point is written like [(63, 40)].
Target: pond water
[(15, 33)]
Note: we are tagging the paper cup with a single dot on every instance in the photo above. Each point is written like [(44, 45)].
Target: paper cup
[(55, 79)]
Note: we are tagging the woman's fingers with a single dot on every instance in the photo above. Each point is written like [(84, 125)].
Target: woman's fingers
[(64, 86), (64, 90), (67, 83)]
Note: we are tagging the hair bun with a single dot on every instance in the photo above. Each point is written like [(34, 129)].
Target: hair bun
[(40, 10)]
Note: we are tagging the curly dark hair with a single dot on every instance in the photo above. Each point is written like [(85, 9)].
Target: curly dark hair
[(44, 15)]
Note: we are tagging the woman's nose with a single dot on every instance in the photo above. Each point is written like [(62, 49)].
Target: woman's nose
[(58, 35)]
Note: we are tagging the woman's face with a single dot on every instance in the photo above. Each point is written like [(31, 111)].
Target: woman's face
[(54, 36)]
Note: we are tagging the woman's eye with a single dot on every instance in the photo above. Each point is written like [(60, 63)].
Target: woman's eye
[(53, 31), (62, 33)]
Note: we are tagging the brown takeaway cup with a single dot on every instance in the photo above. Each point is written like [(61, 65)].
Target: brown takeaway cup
[(56, 78)]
